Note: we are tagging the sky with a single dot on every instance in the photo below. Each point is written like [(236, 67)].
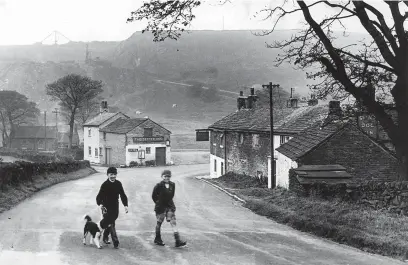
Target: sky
[(29, 21)]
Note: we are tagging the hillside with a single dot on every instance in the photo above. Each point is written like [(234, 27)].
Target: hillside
[(161, 80)]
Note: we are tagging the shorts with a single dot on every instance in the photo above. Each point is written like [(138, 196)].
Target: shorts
[(168, 214)]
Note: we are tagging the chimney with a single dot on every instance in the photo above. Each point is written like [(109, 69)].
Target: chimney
[(252, 98), (370, 92), (241, 102), (292, 102), (104, 106)]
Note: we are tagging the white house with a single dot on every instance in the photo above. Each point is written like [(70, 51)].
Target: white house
[(92, 151)]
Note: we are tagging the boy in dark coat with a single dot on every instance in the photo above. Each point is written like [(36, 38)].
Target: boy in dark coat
[(108, 200), (162, 196)]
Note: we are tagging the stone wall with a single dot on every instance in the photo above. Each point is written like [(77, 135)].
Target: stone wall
[(386, 195)]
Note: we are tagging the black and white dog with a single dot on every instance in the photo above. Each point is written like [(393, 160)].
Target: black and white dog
[(94, 229)]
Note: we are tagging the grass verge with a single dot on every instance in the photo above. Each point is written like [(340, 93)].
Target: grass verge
[(370, 230), (13, 195)]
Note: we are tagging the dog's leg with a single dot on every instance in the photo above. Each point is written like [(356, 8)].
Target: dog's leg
[(91, 240), (85, 234), (96, 239)]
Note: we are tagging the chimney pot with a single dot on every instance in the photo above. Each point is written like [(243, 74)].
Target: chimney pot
[(252, 91), (241, 93)]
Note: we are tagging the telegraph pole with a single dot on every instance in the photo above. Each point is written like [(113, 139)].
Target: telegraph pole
[(56, 124), (270, 86), (45, 130)]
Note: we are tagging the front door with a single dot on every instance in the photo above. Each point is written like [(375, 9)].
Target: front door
[(108, 156), (160, 156)]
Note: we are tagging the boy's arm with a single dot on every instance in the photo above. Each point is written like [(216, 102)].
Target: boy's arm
[(123, 196), (100, 196), (155, 193)]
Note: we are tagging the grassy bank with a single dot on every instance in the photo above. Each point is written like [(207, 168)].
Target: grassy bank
[(13, 195), (369, 230)]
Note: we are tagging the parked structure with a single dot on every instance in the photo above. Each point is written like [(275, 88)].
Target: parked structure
[(92, 132), (135, 140), (36, 138)]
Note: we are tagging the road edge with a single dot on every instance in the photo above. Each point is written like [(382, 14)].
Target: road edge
[(223, 190)]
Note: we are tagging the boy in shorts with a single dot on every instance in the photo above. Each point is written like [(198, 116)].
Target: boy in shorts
[(162, 196)]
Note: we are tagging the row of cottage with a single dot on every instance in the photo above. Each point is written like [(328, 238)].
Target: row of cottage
[(310, 135)]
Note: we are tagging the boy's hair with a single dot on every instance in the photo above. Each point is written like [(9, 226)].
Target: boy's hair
[(166, 173), (112, 170)]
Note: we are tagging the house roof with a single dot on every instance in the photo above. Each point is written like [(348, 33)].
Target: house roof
[(123, 125), (101, 118), (308, 140), (301, 118), (37, 132), (258, 119)]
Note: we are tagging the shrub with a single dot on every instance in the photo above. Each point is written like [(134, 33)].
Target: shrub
[(150, 163), (20, 171), (133, 164)]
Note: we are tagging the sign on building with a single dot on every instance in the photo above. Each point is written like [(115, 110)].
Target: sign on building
[(148, 139), (369, 125)]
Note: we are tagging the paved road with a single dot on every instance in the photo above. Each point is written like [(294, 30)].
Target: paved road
[(47, 228)]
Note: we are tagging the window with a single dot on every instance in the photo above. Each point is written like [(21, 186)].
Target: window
[(255, 140), (241, 138), (215, 165), (100, 151), (147, 150), (89, 151), (104, 135), (284, 139), (96, 151), (222, 168), (141, 154), (148, 132), (89, 132)]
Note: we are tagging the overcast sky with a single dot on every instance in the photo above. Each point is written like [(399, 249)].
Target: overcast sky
[(30, 21)]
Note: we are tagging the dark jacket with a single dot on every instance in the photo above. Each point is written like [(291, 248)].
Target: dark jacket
[(163, 197), (108, 196)]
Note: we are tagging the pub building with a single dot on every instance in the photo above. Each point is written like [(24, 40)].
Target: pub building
[(141, 141)]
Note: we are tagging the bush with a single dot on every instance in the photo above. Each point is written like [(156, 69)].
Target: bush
[(150, 163), (20, 171), (133, 164)]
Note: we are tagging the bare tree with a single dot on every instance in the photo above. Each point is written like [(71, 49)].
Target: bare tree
[(15, 110), (88, 109), (73, 93), (349, 70)]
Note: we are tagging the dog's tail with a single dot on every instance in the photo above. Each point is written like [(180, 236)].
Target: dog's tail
[(87, 218)]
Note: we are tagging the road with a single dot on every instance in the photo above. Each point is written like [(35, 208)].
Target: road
[(47, 228)]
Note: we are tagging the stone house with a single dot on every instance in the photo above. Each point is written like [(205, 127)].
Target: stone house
[(140, 140), (91, 132), (342, 143), (36, 138), (240, 142)]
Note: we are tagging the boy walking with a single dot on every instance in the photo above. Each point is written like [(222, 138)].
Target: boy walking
[(108, 200), (162, 196)]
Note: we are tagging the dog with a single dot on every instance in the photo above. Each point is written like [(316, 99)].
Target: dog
[(94, 229)]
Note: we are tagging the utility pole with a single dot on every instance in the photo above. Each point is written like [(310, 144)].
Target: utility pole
[(270, 86), (56, 124), (45, 130)]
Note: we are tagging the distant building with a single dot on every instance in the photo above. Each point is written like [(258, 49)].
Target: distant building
[(139, 140), (91, 132), (36, 138)]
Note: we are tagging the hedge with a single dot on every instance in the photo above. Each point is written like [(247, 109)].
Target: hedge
[(20, 171)]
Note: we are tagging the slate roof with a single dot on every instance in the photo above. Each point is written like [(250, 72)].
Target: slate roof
[(301, 118), (34, 132), (308, 140), (258, 119), (123, 125), (100, 118)]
